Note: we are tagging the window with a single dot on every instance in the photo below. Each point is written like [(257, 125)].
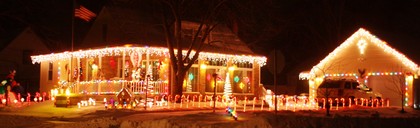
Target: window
[(351, 85), (217, 62), (330, 84), (243, 64), (154, 66), (354, 85), (210, 80), (191, 80), (242, 80), (220, 82), (347, 85), (50, 71)]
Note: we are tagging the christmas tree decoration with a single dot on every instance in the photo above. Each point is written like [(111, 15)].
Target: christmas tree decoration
[(228, 87)]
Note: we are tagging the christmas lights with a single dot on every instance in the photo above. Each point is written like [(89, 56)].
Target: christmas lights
[(117, 51), (228, 87), (360, 37), (306, 76)]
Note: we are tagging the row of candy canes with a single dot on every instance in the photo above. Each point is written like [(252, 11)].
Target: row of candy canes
[(18, 98)]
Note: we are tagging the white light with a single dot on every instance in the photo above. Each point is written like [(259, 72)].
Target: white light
[(362, 46), (116, 51)]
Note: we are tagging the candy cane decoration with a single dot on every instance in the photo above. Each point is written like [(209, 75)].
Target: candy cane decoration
[(336, 100), (382, 102), (349, 102), (245, 104), (182, 99), (199, 100), (188, 100), (330, 100), (193, 100), (253, 104)]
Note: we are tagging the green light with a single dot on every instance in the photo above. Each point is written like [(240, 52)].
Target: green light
[(191, 76), (236, 79)]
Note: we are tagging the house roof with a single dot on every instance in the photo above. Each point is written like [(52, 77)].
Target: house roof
[(25, 37), (116, 25), (125, 92), (361, 51)]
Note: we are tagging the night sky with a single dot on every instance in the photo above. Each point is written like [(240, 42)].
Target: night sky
[(305, 31)]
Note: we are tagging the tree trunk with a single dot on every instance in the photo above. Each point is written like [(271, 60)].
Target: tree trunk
[(179, 81), (327, 108)]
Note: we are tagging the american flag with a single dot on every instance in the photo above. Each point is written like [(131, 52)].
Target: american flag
[(84, 13)]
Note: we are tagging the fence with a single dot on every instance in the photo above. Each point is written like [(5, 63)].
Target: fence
[(114, 86)]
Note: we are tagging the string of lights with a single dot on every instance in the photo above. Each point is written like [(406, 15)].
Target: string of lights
[(117, 51)]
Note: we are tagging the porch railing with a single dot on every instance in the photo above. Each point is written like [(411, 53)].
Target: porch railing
[(114, 86)]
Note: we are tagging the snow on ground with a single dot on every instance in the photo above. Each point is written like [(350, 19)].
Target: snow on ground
[(44, 114)]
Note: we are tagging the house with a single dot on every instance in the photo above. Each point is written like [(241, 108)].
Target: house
[(372, 62), (16, 55), (124, 96), (127, 48)]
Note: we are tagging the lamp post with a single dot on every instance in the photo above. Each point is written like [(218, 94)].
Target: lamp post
[(214, 94), (147, 87)]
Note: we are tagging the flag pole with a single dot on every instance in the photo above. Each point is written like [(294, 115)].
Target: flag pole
[(72, 24), (72, 41)]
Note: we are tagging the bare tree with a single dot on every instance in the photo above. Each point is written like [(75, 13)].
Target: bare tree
[(397, 87), (173, 13), (321, 71)]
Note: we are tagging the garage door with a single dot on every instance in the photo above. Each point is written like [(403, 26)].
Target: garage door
[(389, 86)]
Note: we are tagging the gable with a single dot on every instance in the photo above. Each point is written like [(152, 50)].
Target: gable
[(125, 92), (364, 51), (26, 40)]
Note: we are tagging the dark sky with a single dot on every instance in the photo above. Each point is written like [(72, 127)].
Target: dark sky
[(305, 31)]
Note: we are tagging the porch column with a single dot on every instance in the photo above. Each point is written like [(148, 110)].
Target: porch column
[(78, 69), (100, 70), (256, 86), (87, 70), (409, 94), (147, 63), (100, 62), (123, 71)]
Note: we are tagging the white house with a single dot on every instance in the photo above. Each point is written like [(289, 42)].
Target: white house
[(370, 61)]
